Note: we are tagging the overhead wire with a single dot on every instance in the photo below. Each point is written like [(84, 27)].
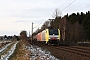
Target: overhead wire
[(68, 5), (37, 26), (85, 6), (64, 2)]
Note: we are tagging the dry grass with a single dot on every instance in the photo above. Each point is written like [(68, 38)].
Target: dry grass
[(21, 53)]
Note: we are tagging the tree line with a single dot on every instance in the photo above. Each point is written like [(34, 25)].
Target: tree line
[(74, 27)]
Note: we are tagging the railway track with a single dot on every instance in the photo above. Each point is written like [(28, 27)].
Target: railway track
[(68, 52), (75, 49)]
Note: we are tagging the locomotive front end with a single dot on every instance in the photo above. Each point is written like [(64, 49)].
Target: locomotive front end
[(54, 36)]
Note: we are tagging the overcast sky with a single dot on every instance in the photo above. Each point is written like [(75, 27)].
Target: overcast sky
[(18, 15)]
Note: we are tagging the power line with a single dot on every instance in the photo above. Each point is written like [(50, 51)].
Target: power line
[(85, 6), (69, 5), (64, 2), (37, 26)]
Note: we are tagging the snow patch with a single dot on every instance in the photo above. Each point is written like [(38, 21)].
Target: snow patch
[(38, 53), (9, 53)]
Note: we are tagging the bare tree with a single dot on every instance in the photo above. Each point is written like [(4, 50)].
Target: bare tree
[(57, 13)]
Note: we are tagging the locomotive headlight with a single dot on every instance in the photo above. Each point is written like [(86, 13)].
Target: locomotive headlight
[(57, 38), (49, 38)]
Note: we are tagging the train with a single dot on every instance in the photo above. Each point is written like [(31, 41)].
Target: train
[(49, 36)]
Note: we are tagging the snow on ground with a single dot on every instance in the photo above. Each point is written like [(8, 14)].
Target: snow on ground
[(4, 47), (9, 53), (38, 53)]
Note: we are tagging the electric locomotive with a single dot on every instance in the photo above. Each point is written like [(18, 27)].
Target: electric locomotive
[(49, 36)]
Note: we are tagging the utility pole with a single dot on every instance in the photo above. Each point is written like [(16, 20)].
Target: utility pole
[(32, 32), (29, 34)]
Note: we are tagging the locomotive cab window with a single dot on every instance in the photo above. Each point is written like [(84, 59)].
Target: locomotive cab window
[(53, 31)]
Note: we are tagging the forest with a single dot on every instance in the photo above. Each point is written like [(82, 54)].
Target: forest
[(74, 27)]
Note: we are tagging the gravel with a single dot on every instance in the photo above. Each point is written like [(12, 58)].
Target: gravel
[(38, 53)]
